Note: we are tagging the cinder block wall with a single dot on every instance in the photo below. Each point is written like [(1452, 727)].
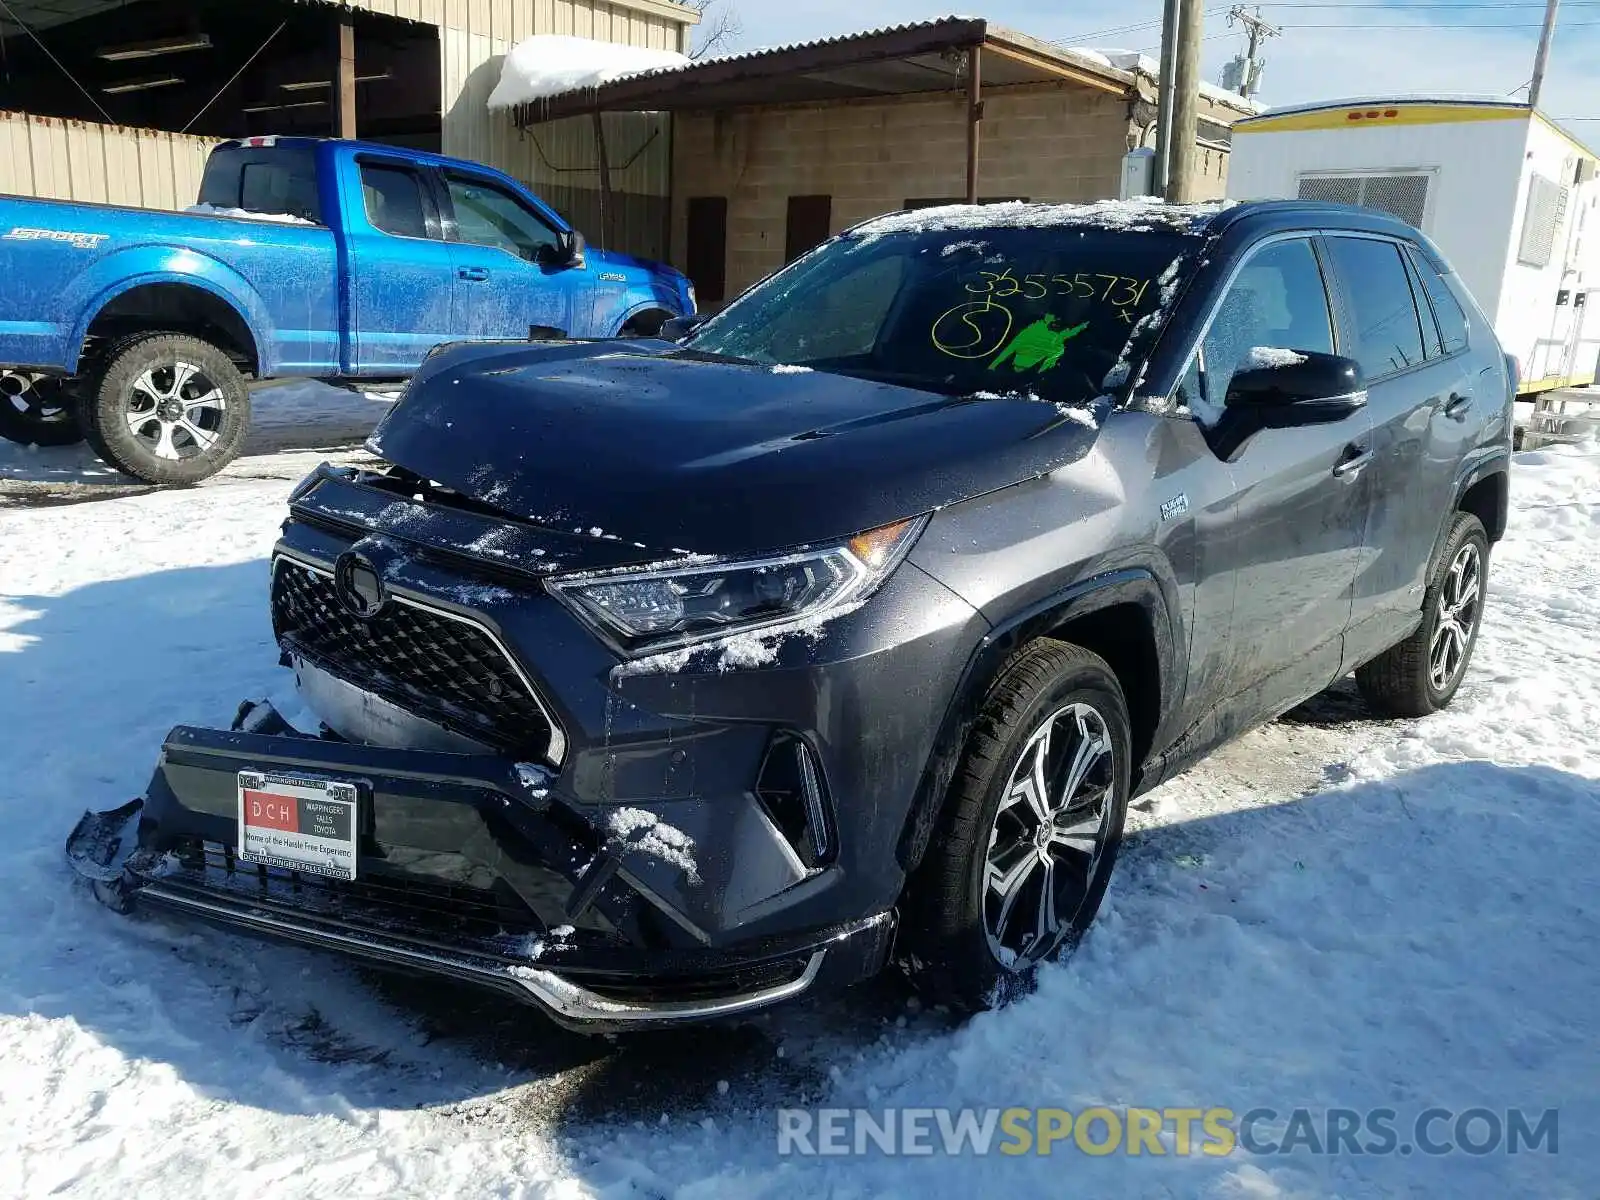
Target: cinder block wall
[(1045, 142)]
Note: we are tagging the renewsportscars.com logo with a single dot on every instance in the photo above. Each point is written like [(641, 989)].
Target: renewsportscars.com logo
[(1176, 1132)]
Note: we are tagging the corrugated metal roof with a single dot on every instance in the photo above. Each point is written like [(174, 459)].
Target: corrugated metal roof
[(891, 60)]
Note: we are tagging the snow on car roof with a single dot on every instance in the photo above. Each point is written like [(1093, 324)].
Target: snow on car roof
[(1141, 214)]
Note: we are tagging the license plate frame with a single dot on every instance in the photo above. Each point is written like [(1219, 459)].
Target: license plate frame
[(299, 822)]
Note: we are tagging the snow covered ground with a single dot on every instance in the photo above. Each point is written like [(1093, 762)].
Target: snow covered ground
[(1333, 912), (293, 427)]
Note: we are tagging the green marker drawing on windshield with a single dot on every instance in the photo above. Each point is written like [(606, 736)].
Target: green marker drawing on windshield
[(1038, 346)]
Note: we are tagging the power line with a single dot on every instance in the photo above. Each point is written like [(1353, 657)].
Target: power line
[(87, 95), (1432, 28)]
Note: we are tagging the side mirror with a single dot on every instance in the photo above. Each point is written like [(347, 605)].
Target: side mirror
[(1278, 389), (567, 252), (675, 329)]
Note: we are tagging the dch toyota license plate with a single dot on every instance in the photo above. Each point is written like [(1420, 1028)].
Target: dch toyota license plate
[(297, 823)]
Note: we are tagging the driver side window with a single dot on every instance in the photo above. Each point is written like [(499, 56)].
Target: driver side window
[(1276, 302)]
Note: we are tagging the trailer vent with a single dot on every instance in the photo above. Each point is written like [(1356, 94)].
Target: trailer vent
[(1541, 219), (1405, 196)]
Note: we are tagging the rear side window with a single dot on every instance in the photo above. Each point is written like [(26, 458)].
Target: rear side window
[(263, 180), (393, 197), (1386, 333), (1446, 308)]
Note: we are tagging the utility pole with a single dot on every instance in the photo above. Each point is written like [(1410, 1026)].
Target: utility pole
[(1164, 94), (1257, 31), (1542, 58), (1182, 154)]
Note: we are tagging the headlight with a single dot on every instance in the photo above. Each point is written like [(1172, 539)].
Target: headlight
[(646, 611)]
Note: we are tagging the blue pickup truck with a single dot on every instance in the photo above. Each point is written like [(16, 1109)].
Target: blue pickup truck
[(307, 258)]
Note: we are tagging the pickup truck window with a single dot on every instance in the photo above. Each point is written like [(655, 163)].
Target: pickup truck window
[(393, 197), (488, 216), (1277, 301), (262, 180)]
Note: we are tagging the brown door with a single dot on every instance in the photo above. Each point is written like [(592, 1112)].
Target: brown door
[(809, 218), (707, 252)]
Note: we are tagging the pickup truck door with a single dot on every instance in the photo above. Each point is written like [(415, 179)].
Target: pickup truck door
[(1422, 398), (505, 285), (401, 270), (1281, 559)]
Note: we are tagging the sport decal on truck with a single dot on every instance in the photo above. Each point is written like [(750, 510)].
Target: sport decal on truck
[(83, 241)]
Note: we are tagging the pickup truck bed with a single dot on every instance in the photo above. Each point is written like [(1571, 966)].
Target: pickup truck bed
[(138, 329)]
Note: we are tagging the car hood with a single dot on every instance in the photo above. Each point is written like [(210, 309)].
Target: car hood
[(672, 452)]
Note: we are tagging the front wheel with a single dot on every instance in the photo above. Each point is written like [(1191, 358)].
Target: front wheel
[(1030, 830), (35, 411), (167, 409)]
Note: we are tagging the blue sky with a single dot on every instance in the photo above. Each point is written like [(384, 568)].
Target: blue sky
[(1372, 48)]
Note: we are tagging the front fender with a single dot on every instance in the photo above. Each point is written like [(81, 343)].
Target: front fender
[(139, 266), (1136, 585)]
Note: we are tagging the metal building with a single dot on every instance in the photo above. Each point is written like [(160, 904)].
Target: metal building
[(119, 101)]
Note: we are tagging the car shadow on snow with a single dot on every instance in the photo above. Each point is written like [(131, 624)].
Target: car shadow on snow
[(86, 704)]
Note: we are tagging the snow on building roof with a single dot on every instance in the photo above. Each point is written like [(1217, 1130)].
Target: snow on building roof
[(1142, 64), (548, 64)]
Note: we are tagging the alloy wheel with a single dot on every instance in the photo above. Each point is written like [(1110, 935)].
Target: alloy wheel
[(176, 410), (1049, 835), (1456, 617)]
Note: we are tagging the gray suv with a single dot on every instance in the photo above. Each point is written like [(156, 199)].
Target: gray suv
[(666, 680)]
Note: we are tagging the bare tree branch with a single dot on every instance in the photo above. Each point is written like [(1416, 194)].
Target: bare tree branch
[(719, 25)]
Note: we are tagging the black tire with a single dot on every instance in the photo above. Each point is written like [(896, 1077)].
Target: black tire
[(645, 325), (1403, 681), (35, 410), (948, 943), (113, 398)]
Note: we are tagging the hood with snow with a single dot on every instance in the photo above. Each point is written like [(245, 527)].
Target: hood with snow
[(678, 452)]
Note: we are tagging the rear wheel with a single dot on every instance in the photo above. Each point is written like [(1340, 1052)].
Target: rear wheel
[(1422, 674), (1030, 831), (35, 410), (167, 408)]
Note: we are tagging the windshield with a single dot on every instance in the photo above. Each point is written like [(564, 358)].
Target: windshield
[(1045, 311)]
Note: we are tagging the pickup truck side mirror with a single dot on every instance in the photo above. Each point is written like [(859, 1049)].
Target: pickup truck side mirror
[(567, 252), (675, 329), (1282, 389)]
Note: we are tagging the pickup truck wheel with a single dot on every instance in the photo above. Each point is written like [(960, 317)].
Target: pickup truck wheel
[(167, 408), (1029, 832), (1422, 674), (35, 410)]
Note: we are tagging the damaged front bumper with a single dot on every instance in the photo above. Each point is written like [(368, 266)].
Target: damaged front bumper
[(468, 866)]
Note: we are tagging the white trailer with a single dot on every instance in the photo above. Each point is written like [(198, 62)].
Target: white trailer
[(1506, 194)]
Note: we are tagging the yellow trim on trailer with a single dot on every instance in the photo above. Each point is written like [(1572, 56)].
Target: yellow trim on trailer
[(1380, 116), (1532, 387)]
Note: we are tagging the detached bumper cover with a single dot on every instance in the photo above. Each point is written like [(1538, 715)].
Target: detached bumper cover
[(468, 866)]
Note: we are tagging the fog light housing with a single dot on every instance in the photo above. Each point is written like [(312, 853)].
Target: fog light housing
[(792, 790)]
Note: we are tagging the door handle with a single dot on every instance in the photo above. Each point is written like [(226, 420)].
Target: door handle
[(1456, 407), (1355, 457), (475, 274)]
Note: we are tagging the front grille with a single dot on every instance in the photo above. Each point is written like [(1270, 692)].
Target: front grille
[(443, 912), (418, 658), (710, 985)]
